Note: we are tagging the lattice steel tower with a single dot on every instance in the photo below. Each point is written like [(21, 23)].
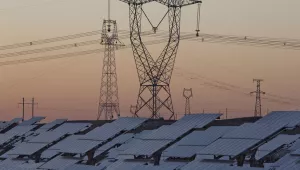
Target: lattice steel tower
[(155, 75), (187, 94), (109, 100), (257, 107)]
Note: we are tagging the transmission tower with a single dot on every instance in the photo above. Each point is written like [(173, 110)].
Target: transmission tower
[(155, 75), (187, 94), (258, 92), (132, 110), (109, 100)]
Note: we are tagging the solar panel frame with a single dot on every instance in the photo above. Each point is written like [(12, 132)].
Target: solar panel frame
[(26, 148), (229, 147)]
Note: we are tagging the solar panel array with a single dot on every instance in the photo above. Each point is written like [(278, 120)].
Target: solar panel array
[(191, 143)]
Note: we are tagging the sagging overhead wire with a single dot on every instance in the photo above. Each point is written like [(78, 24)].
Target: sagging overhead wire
[(55, 39), (68, 55), (64, 46)]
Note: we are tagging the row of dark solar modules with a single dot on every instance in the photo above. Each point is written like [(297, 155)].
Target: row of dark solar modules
[(190, 143)]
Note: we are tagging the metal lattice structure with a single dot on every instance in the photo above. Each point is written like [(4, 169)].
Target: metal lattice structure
[(258, 92), (109, 100), (187, 94), (155, 75)]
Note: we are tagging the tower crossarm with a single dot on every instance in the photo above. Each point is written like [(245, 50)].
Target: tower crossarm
[(178, 3), (169, 3)]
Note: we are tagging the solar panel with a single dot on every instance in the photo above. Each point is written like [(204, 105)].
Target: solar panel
[(166, 132), (59, 162), (4, 138), (47, 137), (20, 130), (145, 147), (72, 128), (26, 148), (80, 146), (204, 138), (49, 153), (128, 123), (118, 140), (254, 131), (82, 167), (102, 133), (4, 125), (290, 118), (196, 120), (53, 123), (274, 144), (182, 151), (120, 165), (229, 147), (31, 121)]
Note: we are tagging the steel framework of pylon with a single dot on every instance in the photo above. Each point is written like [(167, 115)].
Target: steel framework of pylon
[(187, 94), (155, 75), (258, 92), (109, 100)]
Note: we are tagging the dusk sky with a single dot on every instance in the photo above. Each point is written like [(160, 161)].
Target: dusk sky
[(69, 88)]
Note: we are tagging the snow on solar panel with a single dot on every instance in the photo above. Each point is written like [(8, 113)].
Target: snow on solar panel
[(20, 130), (26, 148), (182, 151), (167, 132), (229, 147), (31, 121), (59, 162), (274, 144), (102, 133), (254, 131), (196, 120), (290, 118), (71, 128), (48, 137), (145, 147)]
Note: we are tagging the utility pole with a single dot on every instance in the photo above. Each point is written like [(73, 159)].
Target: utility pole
[(132, 110), (23, 107), (109, 99), (258, 92), (226, 113), (155, 74), (187, 94)]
